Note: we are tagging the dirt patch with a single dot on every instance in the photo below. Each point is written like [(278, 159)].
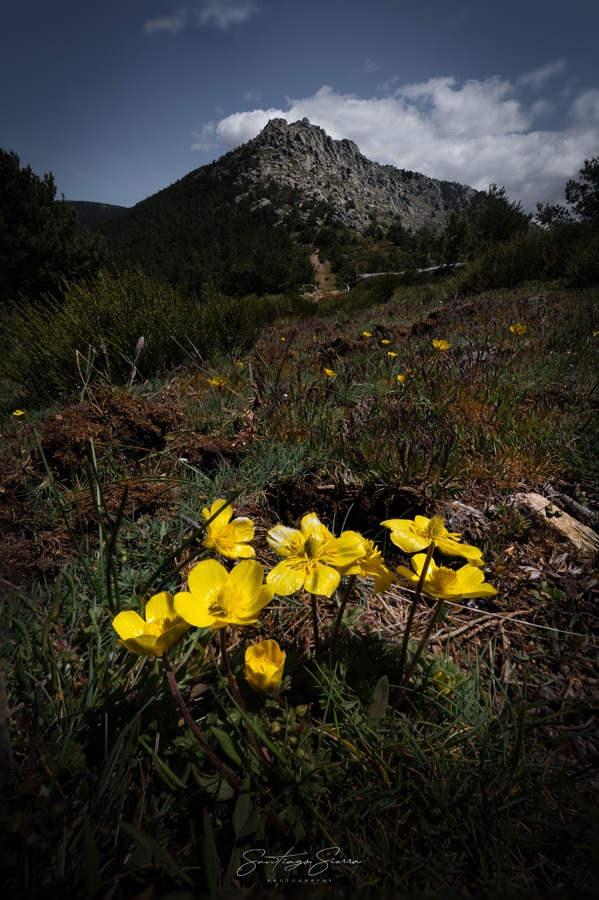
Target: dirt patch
[(131, 426), (342, 506), (129, 434)]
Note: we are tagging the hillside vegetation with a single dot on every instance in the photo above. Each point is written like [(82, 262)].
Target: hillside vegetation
[(275, 617)]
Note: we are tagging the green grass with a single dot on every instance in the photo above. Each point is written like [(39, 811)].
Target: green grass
[(474, 778)]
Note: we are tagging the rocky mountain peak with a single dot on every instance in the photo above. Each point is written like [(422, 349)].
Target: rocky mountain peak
[(359, 192)]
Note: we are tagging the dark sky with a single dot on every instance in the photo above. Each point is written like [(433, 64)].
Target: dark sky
[(120, 98)]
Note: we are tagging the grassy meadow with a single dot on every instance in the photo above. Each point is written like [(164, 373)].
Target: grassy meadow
[(418, 744)]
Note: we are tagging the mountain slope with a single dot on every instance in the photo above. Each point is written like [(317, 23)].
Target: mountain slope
[(248, 221), (90, 214), (304, 157)]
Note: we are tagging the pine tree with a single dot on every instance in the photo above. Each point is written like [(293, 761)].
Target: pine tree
[(39, 241)]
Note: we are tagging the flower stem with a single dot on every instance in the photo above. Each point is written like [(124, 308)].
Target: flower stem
[(224, 770), (342, 605), (406, 638), (424, 640), (260, 751), (315, 626)]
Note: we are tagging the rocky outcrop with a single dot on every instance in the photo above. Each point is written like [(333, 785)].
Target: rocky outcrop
[(357, 191)]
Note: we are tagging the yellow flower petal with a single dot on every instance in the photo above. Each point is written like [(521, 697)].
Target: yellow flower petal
[(286, 578), (207, 576), (322, 580)]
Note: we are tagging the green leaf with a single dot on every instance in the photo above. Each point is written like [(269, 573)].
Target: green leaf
[(380, 699), (92, 859), (164, 771), (215, 785), (226, 744), (210, 856), (245, 813), (154, 849)]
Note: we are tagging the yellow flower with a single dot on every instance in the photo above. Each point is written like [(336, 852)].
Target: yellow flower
[(371, 563), (264, 663), (240, 364), (217, 598), (330, 373), (217, 381), (385, 341), (18, 412), (229, 538), (441, 581), (441, 345), (313, 556), (412, 535), (518, 328), (391, 353), (367, 333), (401, 379), (162, 627)]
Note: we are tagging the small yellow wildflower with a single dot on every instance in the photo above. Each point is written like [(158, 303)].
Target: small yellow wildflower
[(415, 534), (450, 584), (217, 598), (264, 663), (385, 341), (18, 412), (518, 328), (229, 537), (217, 381), (441, 345), (313, 556), (162, 627), (401, 379), (367, 333), (391, 353), (330, 373)]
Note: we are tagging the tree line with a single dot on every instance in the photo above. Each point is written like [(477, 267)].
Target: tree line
[(198, 234)]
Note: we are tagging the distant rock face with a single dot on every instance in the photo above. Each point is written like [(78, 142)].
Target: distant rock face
[(303, 156)]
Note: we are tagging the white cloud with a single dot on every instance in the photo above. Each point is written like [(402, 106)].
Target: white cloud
[(219, 13), (224, 13), (173, 23), (539, 77), (475, 132)]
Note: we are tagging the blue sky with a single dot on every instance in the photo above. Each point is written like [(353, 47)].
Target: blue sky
[(120, 98)]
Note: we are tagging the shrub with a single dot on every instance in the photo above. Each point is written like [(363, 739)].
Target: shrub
[(96, 331)]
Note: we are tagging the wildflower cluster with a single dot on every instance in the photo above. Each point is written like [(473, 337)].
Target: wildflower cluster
[(311, 560)]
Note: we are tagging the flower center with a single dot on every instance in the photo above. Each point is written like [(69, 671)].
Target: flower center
[(227, 600), (314, 546), (443, 579), (436, 527), (158, 626)]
